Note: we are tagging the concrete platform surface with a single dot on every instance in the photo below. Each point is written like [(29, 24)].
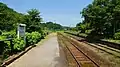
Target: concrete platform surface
[(49, 54)]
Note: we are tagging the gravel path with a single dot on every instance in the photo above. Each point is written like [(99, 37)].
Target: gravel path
[(49, 54)]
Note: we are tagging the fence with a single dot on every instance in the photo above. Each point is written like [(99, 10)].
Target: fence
[(3, 44)]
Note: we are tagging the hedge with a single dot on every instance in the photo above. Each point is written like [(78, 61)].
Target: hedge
[(117, 36), (19, 44)]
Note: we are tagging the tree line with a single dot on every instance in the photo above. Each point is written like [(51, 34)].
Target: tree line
[(9, 19), (102, 17)]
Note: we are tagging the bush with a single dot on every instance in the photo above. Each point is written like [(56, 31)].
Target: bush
[(45, 32), (19, 44), (32, 38), (11, 34), (117, 35), (0, 32), (2, 37), (6, 52), (88, 31)]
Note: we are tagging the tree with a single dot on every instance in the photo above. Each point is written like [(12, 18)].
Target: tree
[(34, 15), (83, 27), (103, 15), (33, 20), (8, 18), (53, 26)]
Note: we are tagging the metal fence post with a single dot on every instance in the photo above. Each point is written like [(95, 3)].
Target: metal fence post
[(11, 45)]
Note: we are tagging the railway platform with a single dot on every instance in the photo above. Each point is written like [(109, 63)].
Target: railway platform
[(48, 54)]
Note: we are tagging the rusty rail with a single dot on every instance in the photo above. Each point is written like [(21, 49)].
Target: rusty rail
[(79, 56)]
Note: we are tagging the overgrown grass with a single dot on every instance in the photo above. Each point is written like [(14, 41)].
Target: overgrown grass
[(114, 41)]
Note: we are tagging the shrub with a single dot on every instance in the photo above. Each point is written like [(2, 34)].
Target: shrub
[(2, 37), (19, 44), (11, 34), (45, 32), (88, 31), (117, 35), (6, 52), (0, 32), (32, 38)]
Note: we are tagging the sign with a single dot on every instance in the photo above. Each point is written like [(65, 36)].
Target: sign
[(21, 30)]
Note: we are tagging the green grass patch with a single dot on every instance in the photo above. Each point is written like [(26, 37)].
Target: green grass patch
[(114, 41)]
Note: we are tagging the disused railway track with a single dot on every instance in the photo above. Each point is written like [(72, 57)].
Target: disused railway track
[(110, 44), (109, 50), (80, 57)]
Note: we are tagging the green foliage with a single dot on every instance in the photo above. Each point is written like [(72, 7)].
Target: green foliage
[(11, 34), (51, 26), (34, 15), (8, 18), (83, 27), (0, 32), (32, 20), (88, 31), (2, 37), (103, 16), (19, 44), (6, 51), (33, 38), (117, 36), (114, 41)]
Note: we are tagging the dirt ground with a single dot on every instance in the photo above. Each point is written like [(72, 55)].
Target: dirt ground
[(48, 54)]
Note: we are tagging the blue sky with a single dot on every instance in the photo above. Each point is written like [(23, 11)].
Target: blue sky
[(64, 12)]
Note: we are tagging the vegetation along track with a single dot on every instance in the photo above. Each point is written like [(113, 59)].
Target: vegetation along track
[(80, 57), (109, 50)]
